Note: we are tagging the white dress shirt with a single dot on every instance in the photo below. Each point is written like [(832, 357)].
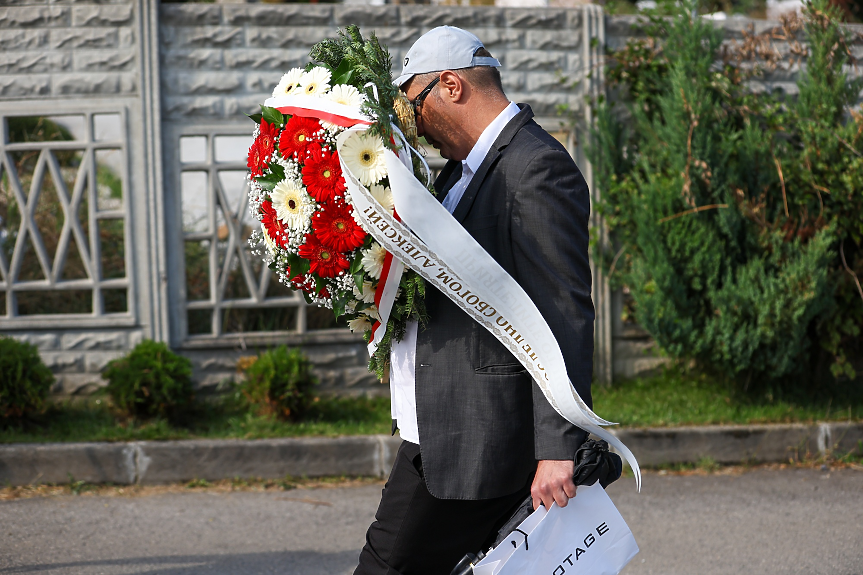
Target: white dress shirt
[(403, 354)]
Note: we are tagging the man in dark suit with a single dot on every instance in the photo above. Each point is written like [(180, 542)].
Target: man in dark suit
[(479, 435)]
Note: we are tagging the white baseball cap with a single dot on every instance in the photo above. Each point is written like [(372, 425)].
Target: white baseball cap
[(443, 48)]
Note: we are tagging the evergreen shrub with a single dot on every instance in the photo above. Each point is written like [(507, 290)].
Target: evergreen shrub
[(150, 380), (25, 380), (736, 213), (280, 382)]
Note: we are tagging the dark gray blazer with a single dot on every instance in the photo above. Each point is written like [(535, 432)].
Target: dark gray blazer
[(483, 423)]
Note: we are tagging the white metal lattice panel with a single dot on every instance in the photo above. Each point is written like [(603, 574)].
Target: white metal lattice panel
[(72, 195)]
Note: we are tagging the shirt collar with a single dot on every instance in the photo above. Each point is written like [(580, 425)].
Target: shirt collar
[(487, 138)]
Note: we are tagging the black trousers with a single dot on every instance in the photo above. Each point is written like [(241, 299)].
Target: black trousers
[(415, 533)]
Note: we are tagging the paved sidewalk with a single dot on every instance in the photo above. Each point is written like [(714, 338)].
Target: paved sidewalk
[(798, 521)]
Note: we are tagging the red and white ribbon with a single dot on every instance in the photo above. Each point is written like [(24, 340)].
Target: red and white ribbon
[(385, 296), (312, 107)]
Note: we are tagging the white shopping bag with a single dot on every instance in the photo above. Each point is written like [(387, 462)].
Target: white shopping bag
[(587, 536)]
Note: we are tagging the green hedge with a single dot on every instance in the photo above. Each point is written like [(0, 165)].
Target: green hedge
[(280, 382), (24, 380), (150, 380)]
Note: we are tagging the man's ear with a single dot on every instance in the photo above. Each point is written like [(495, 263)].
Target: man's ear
[(452, 87)]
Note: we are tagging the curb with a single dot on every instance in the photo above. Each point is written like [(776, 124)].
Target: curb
[(740, 443), (154, 462)]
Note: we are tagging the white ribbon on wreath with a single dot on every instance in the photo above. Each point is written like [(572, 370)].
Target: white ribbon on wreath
[(435, 245)]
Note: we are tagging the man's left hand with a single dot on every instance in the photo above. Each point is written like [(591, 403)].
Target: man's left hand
[(553, 483)]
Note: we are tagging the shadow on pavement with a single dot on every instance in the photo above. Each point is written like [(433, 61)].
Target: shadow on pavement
[(283, 563)]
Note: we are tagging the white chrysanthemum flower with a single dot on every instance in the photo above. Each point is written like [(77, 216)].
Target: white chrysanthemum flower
[(368, 293), (292, 204), (271, 243), (289, 84), (360, 324), (384, 196), (372, 312), (315, 82), (364, 157), (347, 95), (373, 260)]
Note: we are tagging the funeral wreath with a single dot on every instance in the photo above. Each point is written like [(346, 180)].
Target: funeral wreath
[(298, 191)]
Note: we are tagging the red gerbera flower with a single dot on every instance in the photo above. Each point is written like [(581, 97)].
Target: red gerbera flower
[(335, 228), (301, 283), (257, 163), (326, 262), (322, 176), (267, 137), (274, 226), (298, 136)]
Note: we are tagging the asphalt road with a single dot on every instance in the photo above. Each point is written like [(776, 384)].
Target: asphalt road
[(765, 521)]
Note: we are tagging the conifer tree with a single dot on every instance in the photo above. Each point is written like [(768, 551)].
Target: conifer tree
[(731, 207)]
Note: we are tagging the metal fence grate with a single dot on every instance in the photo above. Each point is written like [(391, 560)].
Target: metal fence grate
[(64, 233), (228, 290)]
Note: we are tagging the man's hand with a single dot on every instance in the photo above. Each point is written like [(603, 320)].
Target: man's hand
[(553, 483)]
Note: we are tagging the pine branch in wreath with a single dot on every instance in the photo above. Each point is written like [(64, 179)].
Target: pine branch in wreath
[(372, 64)]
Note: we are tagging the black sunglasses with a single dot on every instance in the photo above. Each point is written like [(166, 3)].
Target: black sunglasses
[(417, 102)]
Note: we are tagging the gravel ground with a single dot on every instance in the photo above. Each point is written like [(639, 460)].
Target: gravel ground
[(787, 521)]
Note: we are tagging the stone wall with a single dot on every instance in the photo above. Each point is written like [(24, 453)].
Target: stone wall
[(78, 357), (338, 358), (68, 49), (219, 61), (181, 69), (83, 58)]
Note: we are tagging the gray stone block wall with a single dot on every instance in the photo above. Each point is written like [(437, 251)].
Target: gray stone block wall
[(338, 361), (62, 49), (219, 61), (74, 50), (78, 357)]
